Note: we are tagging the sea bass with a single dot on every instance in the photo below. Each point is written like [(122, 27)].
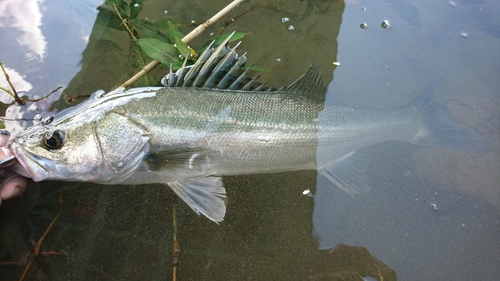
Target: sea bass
[(212, 120)]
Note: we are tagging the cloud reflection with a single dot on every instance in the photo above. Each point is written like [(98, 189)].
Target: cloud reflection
[(25, 16)]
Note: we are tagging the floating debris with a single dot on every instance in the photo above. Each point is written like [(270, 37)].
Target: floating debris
[(285, 19), (465, 35), (434, 207), (307, 193), (363, 25), (291, 27), (453, 4), (278, 60), (385, 24), (336, 63)]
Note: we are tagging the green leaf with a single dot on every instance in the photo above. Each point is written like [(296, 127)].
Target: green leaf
[(121, 6), (173, 31), (7, 91), (147, 29), (136, 8), (258, 68), (219, 39), (163, 52), (109, 19), (163, 25), (176, 37)]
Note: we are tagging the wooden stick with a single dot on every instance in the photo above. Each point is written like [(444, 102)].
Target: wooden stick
[(195, 32)]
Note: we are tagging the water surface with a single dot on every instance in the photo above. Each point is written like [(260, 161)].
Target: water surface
[(431, 214)]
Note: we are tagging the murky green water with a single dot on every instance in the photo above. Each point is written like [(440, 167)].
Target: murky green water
[(271, 232)]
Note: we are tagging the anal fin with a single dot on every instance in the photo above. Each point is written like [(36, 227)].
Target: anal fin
[(347, 173), (205, 195)]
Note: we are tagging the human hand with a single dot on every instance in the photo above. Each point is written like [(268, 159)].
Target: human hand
[(11, 185)]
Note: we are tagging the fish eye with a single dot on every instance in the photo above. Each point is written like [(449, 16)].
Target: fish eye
[(55, 141)]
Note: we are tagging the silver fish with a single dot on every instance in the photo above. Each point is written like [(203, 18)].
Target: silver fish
[(212, 120)]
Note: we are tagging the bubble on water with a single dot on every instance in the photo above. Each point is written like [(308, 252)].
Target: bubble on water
[(363, 25), (291, 27), (285, 19), (385, 24)]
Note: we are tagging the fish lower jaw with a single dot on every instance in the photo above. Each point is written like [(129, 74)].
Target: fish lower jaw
[(33, 171)]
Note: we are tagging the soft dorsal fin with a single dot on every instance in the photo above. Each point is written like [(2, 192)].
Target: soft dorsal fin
[(309, 85)]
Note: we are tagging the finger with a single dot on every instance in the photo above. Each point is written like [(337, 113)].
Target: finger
[(3, 139), (4, 151), (13, 186)]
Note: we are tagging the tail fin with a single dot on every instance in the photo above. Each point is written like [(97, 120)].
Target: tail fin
[(442, 130)]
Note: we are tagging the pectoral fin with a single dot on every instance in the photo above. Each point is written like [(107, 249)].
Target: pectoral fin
[(205, 195)]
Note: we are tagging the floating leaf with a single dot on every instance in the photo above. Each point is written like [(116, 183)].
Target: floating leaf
[(121, 6), (7, 91), (219, 39), (176, 37), (160, 51), (147, 29), (163, 25), (108, 18), (258, 68), (135, 8), (173, 31)]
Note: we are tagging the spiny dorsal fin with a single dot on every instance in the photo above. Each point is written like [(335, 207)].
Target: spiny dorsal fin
[(220, 68), (223, 68)]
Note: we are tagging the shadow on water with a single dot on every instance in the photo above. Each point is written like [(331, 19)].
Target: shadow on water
[(271, 231)]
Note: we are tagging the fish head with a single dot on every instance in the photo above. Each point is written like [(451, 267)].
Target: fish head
[(104, 147)]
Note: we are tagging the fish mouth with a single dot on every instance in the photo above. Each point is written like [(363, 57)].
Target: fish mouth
[(30, 164)]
